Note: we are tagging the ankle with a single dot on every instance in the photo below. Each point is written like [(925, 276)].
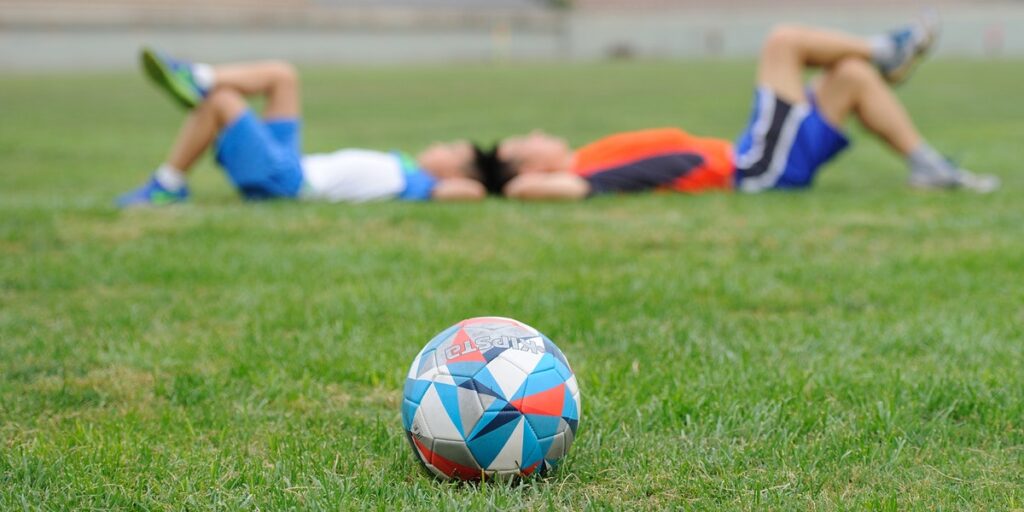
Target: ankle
[(204, 76), (883, 49), (170, 177)]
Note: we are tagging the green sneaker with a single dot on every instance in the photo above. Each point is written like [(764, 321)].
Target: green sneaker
[(174, 76)]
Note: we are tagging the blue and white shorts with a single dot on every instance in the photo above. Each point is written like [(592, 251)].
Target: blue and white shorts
[(784, 145)]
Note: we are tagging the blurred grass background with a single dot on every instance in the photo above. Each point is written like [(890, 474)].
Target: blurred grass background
[(856, 346)]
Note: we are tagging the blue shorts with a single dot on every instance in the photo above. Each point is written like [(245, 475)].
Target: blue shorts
[(784, 145), (263, 158)]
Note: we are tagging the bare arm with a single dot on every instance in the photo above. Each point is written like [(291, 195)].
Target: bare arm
[(458, 189), (548, 186)]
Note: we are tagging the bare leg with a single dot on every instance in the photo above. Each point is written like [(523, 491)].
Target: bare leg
[(276, 80), (224, 102), (790, 49), (851, 84), (202, 125), (854, 86)]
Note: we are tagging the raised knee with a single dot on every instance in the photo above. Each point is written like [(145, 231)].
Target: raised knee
[(855, 70), (284, 71), (223, 104), (783, 36), (221, 97)]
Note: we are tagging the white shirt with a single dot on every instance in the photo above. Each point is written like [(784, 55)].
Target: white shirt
[(353, 175)]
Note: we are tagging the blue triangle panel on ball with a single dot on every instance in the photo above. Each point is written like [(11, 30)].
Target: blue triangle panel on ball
[(486, 446), (415, 389), (531, 448), (494, 420)]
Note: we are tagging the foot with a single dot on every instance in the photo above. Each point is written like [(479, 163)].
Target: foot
[(152, 194), (955, 179), (910, 45), (177, 77)]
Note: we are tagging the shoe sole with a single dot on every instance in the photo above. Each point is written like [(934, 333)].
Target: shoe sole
[(977, 188), (154, 202), (163, 77), (901, 74)]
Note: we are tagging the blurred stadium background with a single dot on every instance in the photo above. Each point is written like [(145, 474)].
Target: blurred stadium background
[(104, 34)]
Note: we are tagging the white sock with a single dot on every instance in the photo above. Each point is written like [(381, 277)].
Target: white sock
[(204, 76), (170, 178), (883, 49), (927, 161)]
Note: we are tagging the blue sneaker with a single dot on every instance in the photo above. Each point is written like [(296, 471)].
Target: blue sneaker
[(177, 77), (152, 194), (912, 43)]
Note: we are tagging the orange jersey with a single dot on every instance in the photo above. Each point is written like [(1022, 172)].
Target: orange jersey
[(662, 158)]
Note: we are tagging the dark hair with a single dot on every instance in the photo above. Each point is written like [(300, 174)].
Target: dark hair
[(494, 173)]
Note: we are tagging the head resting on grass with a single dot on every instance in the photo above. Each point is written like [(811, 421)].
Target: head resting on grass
[(491, 171), (494, 167), (534, 152), (445, 160)]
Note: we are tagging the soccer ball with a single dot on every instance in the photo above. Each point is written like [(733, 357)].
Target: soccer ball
[(490, 398)]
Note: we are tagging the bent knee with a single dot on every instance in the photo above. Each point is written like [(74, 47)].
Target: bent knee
[(854, 70), (221, 97), (783, 36), (224, 104), (284, 71)]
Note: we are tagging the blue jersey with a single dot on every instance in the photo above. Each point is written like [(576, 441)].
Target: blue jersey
[(419, 184)]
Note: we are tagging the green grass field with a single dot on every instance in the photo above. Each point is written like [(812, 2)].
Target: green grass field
[(855, 347)]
